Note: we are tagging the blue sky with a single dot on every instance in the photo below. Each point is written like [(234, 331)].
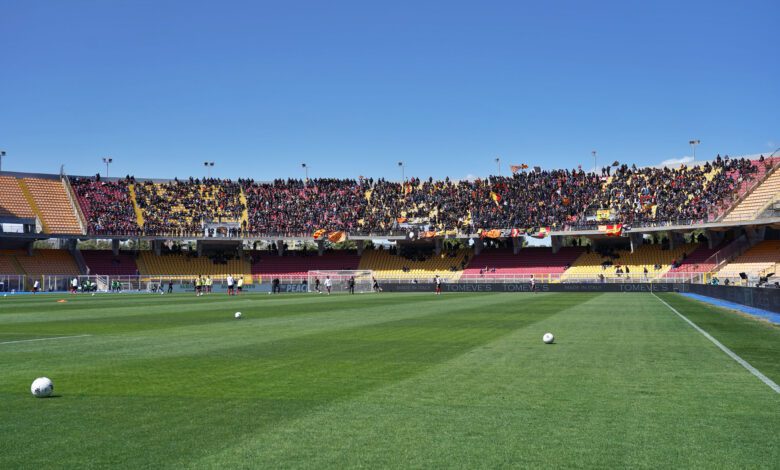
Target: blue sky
[(351, 88)]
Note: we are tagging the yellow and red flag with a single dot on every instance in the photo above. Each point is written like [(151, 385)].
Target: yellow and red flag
[(495, 197), (337, 237), (319, 233), (612, 230)]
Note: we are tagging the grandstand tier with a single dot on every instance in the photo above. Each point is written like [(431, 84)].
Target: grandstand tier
[(187, 266), (536, 260), (40, 263), (53, 206), (759, 260), (13, 202), (387, 265), (104, 262), (624, 264), (751, 206), (297, 265)]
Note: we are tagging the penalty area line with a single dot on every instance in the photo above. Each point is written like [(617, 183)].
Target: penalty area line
[(723, 348), (42, 339)]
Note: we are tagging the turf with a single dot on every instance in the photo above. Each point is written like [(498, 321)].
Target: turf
[(390, 380)]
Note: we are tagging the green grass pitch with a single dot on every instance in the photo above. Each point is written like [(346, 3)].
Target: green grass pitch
[(386, 380)]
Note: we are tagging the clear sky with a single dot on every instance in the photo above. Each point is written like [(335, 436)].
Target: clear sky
[(351, 88)]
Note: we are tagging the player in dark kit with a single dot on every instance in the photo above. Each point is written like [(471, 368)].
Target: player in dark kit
[(437, 281), (352, 284)]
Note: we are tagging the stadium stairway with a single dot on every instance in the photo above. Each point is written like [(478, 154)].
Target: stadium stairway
[(386, 265), (536, 261), (13, 201), (696, 262), (8, 263), (754, 262), (755, 202), (139, 217), (26, 193), (271, 265), (52, 204)]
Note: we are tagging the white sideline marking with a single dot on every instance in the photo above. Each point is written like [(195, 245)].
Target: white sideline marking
[(43, 339), (726, 350)]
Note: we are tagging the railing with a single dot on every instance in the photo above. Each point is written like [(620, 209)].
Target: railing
[(727, 253)]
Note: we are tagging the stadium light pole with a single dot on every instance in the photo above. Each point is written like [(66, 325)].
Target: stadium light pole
[(693, 144), (107, 161), (498, 163), (2, 154), (305, 172), (595, 170), (403, 175), (209, 166)]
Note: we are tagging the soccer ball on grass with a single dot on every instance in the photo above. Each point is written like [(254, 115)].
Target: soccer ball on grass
[(548, 338), (41, 387), (237, 315)]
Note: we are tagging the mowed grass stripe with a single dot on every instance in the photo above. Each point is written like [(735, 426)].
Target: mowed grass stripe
[(754, 340), (623, 387), (259, 387)]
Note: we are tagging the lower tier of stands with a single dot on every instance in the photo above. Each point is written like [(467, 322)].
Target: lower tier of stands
[(184, 266), (294, 265), (387, 265), (502, 262), (104, 262), (40, 263), (624, 264), (760, 260)]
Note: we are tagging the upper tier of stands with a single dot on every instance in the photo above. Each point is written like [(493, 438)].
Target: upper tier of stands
[(751, 206), (104, 262), (106, 205), (13, 202), (502, 262), (181, 207), (53, 205), (297, 265), (527, 199)]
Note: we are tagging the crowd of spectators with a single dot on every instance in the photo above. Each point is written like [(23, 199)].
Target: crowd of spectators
[(185, 207), (528, 199), (106, 205)]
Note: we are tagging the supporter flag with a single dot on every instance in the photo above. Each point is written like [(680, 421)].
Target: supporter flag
[(427, 234), (541, 232), (494, 233), (400, 220), (515, 232), (319, 233), (407, 188), (368, 194), (612, 230), (603, 214), (337, 237), (495, 197)]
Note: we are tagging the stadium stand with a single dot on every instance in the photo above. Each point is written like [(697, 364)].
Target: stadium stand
[(13, 203), (182, 207), (754, 262), (502, 262), (695, 262), (387, 265), (52, 204), (106, 205), (44, 262), (103, 262), (297, 265), (751, 206), (8, 264), (613, 264), (183, 266)]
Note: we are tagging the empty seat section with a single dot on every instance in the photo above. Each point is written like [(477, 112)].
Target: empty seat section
[(47, 262), (390, 266), (54, 205), (105, 263), (502, 262), (187, 267), (295, 265), (656, 260), (757, 261), (758, 199), (12, 200)]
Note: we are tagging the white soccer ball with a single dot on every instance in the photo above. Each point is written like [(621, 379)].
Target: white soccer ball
[(548, 338), (237, 315), (41, 387)]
